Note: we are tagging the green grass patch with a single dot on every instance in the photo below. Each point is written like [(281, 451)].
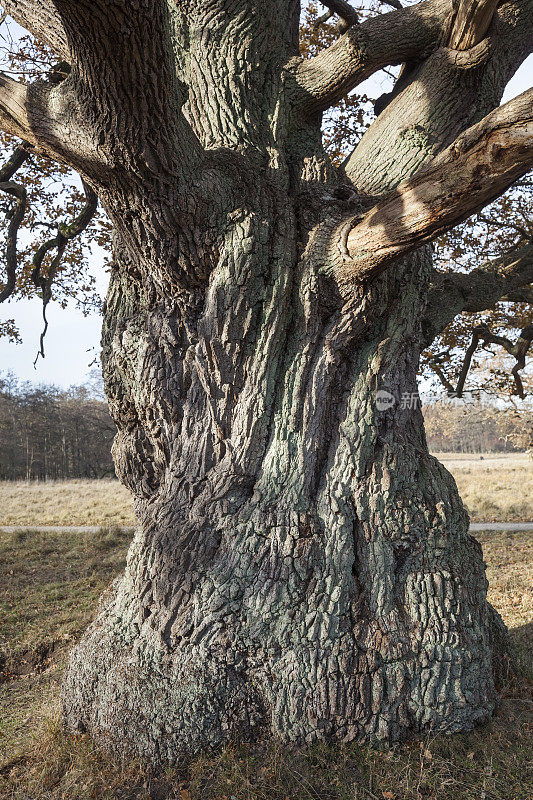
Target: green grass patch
[(49, 586)]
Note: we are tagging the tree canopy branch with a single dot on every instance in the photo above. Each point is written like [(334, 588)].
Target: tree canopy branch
[(40, 18), (65, 233), (391, 38), (518, 350), (480, 165), (16, 216), (505, 278)]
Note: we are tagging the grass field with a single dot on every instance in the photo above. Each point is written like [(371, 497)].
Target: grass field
[(49, 586), (74, 502), (498, 488)]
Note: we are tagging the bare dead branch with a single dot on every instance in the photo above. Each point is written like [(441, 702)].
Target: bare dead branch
[(13, 109), (391, 38), (480, 165), (16, 216), (471, 23)]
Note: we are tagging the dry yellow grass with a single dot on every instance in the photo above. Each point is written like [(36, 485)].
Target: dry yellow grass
[(74, 502), (509, 559), (498, 488)]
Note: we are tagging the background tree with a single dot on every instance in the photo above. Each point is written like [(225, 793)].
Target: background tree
[(480, 427), (302, 564), (48, 434)]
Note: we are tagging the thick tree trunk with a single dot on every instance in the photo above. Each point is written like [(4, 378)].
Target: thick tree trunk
[(302, 565)]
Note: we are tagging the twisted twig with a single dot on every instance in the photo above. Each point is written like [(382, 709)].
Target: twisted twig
[(64, 234)]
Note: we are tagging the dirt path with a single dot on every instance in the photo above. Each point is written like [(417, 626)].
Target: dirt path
[(475, 527)]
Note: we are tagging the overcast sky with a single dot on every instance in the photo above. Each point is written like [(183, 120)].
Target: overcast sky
[(72, 340)]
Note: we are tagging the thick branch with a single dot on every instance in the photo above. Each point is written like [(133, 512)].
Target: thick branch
[(505, 278), (65, 233), (40, 18), (122, 50), (13, 109), (524, 295), (479, 166), (386, 39), (436, 100), (49, 118), (124, 77), (15, 218), (471, 23), (343, 10)]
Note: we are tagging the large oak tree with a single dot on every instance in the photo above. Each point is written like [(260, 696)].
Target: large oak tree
[(302, 565)]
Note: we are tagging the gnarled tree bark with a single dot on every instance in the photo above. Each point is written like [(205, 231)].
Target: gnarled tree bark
[(302, 565)]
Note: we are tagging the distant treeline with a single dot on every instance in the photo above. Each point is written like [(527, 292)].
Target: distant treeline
[(47, 433), (477, 428)]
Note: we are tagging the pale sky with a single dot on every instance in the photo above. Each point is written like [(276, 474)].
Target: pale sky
[(73, 340)]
